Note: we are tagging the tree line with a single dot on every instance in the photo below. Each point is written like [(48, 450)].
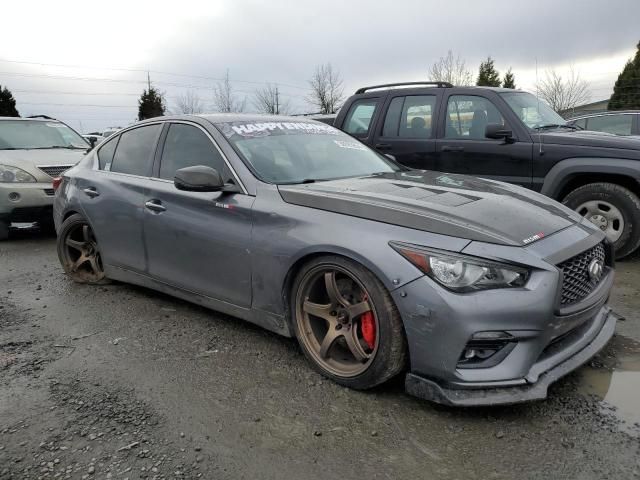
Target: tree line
[(326, 90)]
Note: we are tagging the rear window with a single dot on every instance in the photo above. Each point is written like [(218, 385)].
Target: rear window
[(358, 119), (410, 117), (134, 154)]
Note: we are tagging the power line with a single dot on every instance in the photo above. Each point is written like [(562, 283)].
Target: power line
[(134, 70)]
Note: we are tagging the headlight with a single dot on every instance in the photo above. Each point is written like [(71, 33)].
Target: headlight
[(462, 273), (14, 174)]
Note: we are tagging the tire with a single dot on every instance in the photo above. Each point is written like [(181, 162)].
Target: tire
[(388, 355), (627, 238), (79, 253), (4, 230)]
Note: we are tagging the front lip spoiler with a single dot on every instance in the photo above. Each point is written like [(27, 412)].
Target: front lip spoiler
[(473, 397)]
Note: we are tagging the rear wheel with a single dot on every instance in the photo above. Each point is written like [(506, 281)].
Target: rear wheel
[(79, 252), (347, 324), (612, 208)]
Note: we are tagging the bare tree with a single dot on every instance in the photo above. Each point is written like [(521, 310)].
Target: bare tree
[(451, 69), (563, 95), (269, 100), (327, 91), (188, 103), (224, 100)]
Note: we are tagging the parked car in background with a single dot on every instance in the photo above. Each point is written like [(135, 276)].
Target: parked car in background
[(326, 118), (486, 292), (616, 122), (110, 131), (507, 135), (33, 151)]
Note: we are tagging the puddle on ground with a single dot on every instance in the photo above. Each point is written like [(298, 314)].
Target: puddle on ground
[(616, 382)]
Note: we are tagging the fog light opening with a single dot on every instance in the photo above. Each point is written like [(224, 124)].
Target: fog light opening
[(486, 349), (14, 196)]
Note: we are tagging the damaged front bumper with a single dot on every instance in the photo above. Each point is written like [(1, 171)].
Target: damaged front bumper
[(532, 387)]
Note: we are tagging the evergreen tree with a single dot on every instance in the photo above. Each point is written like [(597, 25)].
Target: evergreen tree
[(7, 103), (488, 76), (509, 80), (151, 104), (626, 92)]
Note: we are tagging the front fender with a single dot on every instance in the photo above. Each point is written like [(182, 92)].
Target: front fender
[(563, 171)]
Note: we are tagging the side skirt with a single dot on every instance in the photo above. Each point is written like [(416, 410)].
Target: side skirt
[(266, 320)]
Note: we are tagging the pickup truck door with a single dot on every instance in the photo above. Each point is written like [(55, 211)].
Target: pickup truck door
[(461, 146), (407, 128)]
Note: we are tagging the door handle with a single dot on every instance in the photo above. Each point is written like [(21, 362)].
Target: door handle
[(450, 148), (91, 192), (155, 206), (383, 146)]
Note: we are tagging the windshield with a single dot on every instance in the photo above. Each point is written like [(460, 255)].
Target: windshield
[(297, 152), (27, 134), (533, 112)]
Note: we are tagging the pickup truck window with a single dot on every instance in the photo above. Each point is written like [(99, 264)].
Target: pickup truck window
[(359, 117), (617, 124), (468, 116), (410, 117)]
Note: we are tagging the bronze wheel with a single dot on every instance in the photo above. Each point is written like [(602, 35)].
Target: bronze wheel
[(337, 321), (79, 252), (346, 322)]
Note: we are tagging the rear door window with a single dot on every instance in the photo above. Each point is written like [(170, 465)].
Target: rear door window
[(358, 119), (410, 117), (617, 124), (187, 146), (134, 154)]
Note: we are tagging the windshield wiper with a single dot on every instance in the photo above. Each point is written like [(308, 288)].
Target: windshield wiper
[(556, 125), (67, 147)]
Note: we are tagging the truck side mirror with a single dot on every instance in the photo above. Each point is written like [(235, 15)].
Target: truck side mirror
[(496, 131)]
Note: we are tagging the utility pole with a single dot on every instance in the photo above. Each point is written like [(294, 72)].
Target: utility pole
[(148, 81), (277, 102)]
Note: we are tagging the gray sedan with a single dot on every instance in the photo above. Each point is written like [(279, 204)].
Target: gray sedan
[(481, 292)]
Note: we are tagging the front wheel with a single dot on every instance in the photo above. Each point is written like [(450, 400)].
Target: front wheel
[(79, 252), (346, 323), (612, 208)]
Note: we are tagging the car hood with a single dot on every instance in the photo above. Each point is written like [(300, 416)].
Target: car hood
[(456, 205), (591, 139), (34, 158)]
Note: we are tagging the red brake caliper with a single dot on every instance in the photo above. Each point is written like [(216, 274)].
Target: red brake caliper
[(368, 327)]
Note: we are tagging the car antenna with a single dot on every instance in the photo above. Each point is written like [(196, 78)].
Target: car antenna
[(540, 151)]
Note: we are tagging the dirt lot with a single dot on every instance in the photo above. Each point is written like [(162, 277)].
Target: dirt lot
[(121, 382)]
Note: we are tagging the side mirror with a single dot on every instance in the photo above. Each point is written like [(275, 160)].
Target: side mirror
[(497, 132), (93, 141), (198, 179)]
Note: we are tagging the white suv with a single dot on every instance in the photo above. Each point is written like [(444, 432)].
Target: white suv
[(33, 152)]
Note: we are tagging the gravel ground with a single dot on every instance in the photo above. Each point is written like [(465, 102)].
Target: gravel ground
[(122, 382)]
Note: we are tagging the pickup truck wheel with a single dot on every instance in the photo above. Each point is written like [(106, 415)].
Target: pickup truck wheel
[(612, 208)]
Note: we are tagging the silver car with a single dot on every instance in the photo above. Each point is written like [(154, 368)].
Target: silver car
[(482, 292), (33, 152)]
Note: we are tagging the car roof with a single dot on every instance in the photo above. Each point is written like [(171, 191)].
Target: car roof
[(230, 117), (27, 119)]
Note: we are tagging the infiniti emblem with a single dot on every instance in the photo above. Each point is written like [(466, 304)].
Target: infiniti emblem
[(595, 269)]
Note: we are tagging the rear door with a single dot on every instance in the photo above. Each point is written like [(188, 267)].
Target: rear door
[(463, 148), (114, 195), (407, 130), (198, 241)]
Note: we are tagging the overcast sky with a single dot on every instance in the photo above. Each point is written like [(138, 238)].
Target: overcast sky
[(86, 62)]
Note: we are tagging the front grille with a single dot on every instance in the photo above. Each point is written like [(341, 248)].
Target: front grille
[(56, 170), (49, 191), (577, 283)]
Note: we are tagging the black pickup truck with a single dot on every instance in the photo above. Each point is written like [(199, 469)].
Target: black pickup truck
[(507, 135)]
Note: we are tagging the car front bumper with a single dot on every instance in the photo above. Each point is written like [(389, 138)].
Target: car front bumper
[(25, 202), (545, 339)]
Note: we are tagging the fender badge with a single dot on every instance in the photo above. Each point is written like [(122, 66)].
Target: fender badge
[(533, 238)]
